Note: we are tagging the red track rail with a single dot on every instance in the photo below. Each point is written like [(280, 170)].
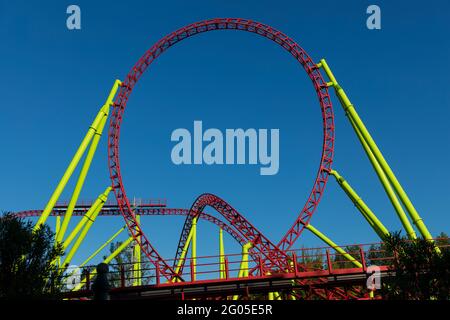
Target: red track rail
[(274, 259), (113, 210), (157, 49)]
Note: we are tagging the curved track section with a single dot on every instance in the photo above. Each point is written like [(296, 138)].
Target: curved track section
[(274, 258), (157, 49)]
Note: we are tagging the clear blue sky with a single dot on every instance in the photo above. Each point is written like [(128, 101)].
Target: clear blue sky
[(54, 81)]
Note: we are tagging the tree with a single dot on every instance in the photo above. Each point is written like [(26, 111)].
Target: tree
[(125, 259), (311, 258), (26, 268), (421, 273), (442, 240), (378, 255), (341, 262)]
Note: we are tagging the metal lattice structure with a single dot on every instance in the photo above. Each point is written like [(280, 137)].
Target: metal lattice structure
[(141, 66), (261, 258)]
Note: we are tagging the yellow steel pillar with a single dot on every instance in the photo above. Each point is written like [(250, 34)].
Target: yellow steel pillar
[(271, 295), (194, 249), (222, 255), (88, 160), (102, 246), (371, 218), (358, 123), (243, 269), (186, 246), (74, 162), (57, 224), (86, 228), (137, 274), (57, 228), (338, 249), (87, 217), (116, 252), (386, 184)]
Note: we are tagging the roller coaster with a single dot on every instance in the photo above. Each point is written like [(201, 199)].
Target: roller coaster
[(264, 269)]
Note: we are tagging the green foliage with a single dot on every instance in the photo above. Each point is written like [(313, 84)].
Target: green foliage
[(125, 259), (26, 268), (311, 259), (378, 255), (340, 262), (421, 273), (442, 240)]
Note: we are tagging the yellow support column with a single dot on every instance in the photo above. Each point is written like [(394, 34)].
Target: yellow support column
[(243, 269), (85, 230), (116, 252), (74, 162), (102, 246), (137, 259), (87, 217), (338, 249), (57, 228), (222, 255), (386, 185), (88, 160), (186, 247), (371, 218), (351, 111), (194, 249)]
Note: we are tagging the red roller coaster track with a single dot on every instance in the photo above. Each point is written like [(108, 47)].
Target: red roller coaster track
[(245, 229)]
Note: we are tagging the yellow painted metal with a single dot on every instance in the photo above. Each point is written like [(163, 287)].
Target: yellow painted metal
[(116, 252), (186, 246), (243, 269), (88, 160), (87, 216), (371, 218), (194, 249), (75, 160), (57, 224), (86, 228), (222, 255), (271, 294), (351, 111), (137, 273), (57, 228), (386, 184), (102, 246), (329, 242)]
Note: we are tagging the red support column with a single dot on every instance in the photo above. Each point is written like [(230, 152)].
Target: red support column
[(260, 265), (329, 263), (227, 270), (294, 260), (363, 258), (157, 274)]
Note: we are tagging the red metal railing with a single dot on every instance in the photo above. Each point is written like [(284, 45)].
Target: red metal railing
[(112, 203), (306, 263)]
